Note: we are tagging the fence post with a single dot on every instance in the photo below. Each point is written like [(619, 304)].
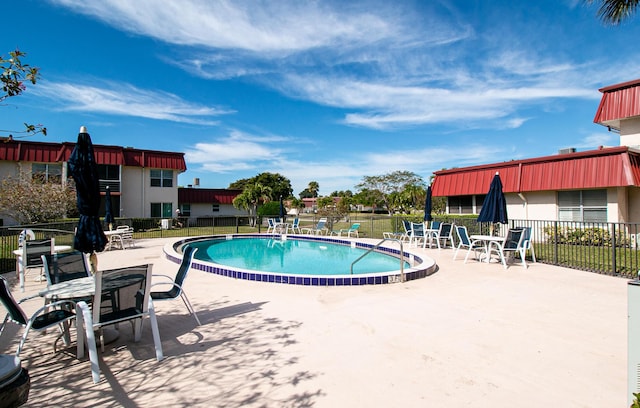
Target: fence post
[(555, 242), (613, 249)]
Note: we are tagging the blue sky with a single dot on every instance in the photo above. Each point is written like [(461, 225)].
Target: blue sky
[(320, 91)]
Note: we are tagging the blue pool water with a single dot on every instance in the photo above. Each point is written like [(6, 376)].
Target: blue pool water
[(293, 256)]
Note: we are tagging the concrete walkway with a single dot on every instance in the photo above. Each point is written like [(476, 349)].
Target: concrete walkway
[(469, 335)]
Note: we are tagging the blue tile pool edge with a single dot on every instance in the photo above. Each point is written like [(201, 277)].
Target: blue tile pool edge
[(412, 273)]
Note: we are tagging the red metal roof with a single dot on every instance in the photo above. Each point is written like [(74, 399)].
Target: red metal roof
[(44, 152), (620, 101), (207, 195), (602, 168)]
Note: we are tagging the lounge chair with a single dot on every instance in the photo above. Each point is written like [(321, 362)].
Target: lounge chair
[(176, 283), (319, 229), (353, 229)]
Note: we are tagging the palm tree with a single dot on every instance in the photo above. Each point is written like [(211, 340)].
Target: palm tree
[(615, 11), (313, 188), (251, 197)]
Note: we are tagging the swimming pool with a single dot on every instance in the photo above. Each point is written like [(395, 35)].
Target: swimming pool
[(301, 260)]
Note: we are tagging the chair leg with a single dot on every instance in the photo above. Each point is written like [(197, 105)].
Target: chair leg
[(83, 315), (155, 331), (189, 307)]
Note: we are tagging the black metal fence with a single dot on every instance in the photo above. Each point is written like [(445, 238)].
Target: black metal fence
[(606, 248)]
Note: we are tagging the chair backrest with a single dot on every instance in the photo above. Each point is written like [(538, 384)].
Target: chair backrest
[(445, 230), (463, 235), (122, 227), (32, 252), (271, 222), (66, 266), (185, 265), (321, 223), (354, 227), (296, 222), (125, 292), (407, 226), (435, 225), (514, 239), (25, 235), (13, 309), (417, 228)]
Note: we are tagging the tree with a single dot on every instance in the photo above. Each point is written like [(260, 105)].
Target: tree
[(29, 200), (252, 196), (279, 184), (386, 184), (14, 73), (313, 188), (615, 11)]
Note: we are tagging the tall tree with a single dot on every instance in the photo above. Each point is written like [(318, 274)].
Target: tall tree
[(279, 184), (386, 184), (313, 188), (13, 75), (615, 11), (252, 196)]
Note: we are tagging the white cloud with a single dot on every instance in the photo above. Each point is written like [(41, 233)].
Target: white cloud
[(126, 100)]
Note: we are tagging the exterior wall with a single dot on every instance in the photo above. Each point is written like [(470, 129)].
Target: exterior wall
[(535, 206), (630, 132), (205, 210), (137, 193), (633, 194)]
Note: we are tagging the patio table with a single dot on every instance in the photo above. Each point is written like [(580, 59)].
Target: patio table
[(487, 241)]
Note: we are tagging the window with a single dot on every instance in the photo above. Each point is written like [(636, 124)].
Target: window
[(215, 207), (47, 172), (583, 205), (161, 178), (108, 172), (461, 205), (162, 210), (185, 210)]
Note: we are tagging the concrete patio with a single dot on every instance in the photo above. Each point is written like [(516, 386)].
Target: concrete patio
[(471, 334)]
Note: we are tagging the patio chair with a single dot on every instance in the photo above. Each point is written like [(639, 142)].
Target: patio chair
[(271, 225), (417, 233), (31, 257), (52, 314), (65, 266), (295, 226), (319, 229), (445, 233), (528, 245), (120, 295), (176, 283), (514, 242), (465, 242), (353, 229)]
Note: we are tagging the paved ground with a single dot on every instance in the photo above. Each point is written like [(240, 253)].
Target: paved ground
[(469, 335)]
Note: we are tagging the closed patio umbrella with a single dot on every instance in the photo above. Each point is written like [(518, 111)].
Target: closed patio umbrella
[(428, 205), (108, 209), (282, 211), (494, 208), (82, 166)]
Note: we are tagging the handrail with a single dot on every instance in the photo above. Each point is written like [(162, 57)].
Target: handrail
[(376, 246)]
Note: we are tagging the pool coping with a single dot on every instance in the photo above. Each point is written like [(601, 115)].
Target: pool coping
[(422, 266)]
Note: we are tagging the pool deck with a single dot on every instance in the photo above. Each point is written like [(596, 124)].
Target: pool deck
[(472, 334)]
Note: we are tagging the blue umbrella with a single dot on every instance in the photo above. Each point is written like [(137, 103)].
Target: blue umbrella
[(82, 166), (428, 205), (108, 210), (494, 208)]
